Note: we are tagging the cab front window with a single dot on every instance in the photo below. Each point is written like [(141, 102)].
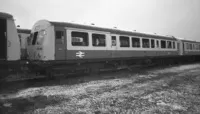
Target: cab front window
[(38, 37), (34, 38)]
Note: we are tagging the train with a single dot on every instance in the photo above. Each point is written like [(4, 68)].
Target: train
[(88, 47), (12, 46), (53, 48)]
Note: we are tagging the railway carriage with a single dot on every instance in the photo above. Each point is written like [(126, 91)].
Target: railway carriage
[(188, 50), (191, 50), (68, 41), (10, 52), (191, 47), (64, 43), (51, 47), (9, 41)]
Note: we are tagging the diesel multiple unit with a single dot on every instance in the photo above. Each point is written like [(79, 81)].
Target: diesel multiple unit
[(51, 46)]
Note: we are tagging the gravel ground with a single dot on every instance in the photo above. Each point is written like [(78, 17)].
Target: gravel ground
[(169, 90)]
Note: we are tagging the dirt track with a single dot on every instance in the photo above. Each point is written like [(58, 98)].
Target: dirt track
[(165, 90)]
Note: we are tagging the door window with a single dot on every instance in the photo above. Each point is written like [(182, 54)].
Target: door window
[(114, 42), (59, 37)]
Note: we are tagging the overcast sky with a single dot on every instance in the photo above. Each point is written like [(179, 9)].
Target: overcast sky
[(180, 18)]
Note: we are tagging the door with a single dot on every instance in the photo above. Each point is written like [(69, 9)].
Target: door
[(3, 40), (60, 44)]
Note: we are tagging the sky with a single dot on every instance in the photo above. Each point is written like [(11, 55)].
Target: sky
[(180, 18)]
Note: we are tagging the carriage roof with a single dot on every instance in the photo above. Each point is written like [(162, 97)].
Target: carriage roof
[(111, 30), (5, 15)]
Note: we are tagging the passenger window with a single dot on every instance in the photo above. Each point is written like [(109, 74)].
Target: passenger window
[(79, 38), (199, 47), (190, 46), (187, 47), (174, 46), (114, 43), (157, 43), (152, 43), (193, 47), (135, 42), (34, 38), (145, 43), (124, 41), (169, 44), (98, 40), (163, 44)]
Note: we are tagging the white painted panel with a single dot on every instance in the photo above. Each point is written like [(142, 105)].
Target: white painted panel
[(13, 50), (108, 42), (89, 47), (49, 44)]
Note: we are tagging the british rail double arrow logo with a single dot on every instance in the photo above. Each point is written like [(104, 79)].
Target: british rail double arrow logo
[(80, 54)]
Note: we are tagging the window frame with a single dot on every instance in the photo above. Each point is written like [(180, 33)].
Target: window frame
[(101, 34), (34, 40), (173, 45), (153, 46), (137, 46), (87, 42), (161, 46), (123, 36), (168, 44), (148, 46), (115, 39), (157, 43)]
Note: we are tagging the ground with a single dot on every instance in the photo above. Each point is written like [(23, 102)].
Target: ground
[(168, 90)]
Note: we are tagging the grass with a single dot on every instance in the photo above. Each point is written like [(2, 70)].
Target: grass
[(154, 91)]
